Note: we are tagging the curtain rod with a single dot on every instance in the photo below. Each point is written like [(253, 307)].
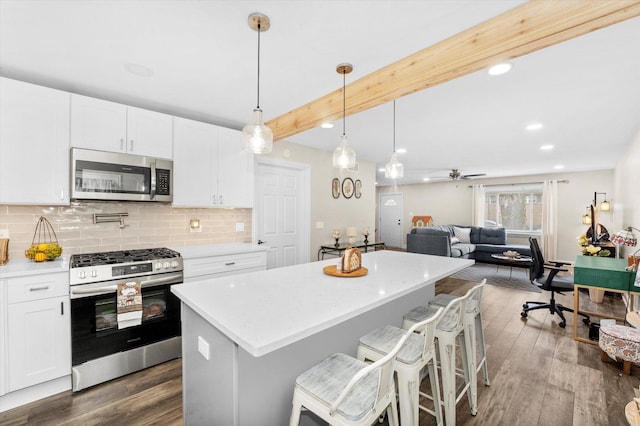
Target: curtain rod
[(520, 183)]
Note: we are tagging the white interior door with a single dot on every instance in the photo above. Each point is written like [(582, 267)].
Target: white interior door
[(282, 212), (390, 213)]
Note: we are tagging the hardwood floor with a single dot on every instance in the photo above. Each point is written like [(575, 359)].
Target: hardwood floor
[(539, 376)]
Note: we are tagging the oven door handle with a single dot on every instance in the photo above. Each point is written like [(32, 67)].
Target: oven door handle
[(170, 278)]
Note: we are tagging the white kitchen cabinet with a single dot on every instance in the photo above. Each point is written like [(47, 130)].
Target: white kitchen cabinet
[(210, 166), (38, 329), (110, 126), (201, 268), (34, 144)]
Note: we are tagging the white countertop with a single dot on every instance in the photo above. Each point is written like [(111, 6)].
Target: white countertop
[(24, 267), (267, 310), (208, 250)]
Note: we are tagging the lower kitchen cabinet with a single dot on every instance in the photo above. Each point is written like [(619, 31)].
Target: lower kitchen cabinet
[(219, 260), (37, 329)]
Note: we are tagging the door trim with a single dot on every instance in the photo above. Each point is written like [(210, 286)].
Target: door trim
[(304, 240), (403, 243)]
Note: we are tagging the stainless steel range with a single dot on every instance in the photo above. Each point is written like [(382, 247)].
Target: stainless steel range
[(102, 347)]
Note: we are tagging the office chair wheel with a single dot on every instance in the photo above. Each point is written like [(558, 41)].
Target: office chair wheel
[(586, 321), (525, 306), (523, 314), (562, 324)]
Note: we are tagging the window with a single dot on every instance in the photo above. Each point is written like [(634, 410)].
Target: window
[(517, 208)]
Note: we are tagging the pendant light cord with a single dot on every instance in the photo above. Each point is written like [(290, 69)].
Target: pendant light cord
[(394, 126), (344, 102), (259, 31)]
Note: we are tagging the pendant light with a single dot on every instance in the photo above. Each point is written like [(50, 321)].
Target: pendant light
[(258, 137), (344, 157), (394, 169)]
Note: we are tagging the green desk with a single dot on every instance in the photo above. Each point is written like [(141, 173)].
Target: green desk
[(600, 273)]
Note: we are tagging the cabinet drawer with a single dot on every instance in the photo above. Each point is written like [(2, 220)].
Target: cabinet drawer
[(224, 264), (34, 287)]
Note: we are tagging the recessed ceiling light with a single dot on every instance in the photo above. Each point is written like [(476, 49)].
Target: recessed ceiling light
[(534, 126), (500, 69), (327, 125), (139, 70), (559, 166), (381, 170), (401, 150), (546, 147), (426, 179)]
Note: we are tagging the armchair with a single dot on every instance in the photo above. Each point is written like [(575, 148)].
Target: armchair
[(552, 282)]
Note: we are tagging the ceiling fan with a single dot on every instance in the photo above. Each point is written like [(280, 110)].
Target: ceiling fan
[(456, 175)]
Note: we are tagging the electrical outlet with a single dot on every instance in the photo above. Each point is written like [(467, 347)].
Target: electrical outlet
[(240, 227), (319, 225), (4, 233), (203, 348)]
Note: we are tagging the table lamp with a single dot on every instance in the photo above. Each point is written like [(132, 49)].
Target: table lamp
[(626, 237)]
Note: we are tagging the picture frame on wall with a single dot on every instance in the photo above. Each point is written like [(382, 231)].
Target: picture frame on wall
[(358, 188), (348, 188), (335, 188)]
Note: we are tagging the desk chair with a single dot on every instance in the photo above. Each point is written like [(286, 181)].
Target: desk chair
[(551, 282)]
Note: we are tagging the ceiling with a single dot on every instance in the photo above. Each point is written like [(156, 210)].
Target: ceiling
[(198, 59)]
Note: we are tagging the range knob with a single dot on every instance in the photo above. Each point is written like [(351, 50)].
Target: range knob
[(94, 273), (174, 264), (158, 265), (166, 264), (82, 275)]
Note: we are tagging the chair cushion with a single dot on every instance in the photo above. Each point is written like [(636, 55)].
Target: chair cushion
[(447, 322), (620, 341), (327, 379), (443, 299), (384, 339), (462, 249)]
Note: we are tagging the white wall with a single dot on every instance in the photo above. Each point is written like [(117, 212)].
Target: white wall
[(450, 203), (627, 182), (333, 213)]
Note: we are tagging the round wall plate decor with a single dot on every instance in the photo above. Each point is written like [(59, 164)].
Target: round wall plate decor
[(335, 188), (348, 187)]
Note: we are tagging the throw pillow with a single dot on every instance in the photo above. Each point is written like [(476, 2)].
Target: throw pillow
[(463, 234), (455, 240)]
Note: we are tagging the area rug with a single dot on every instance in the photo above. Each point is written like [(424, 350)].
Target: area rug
[(499, 276)]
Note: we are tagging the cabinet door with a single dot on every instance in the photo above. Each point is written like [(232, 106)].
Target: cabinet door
[(98, 124), (193, 163), (149, 133), (39, 341), (235, 170), (34, 144)]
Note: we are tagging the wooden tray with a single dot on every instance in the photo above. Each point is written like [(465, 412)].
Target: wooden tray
[(333, 271)]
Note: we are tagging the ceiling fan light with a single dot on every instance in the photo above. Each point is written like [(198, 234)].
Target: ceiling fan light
[(258, 137), (344, 157), (394, 169)]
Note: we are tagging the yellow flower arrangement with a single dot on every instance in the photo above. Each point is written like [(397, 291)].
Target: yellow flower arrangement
[(582, 240)]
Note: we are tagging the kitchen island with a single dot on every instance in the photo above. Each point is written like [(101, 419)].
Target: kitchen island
[(245, 338)]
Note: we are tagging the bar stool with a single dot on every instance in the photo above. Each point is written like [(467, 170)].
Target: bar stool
[(473, 326), (417, 352), (449, 328), (343, 390)]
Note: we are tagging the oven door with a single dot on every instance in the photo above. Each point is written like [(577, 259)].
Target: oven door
[(94, 324)]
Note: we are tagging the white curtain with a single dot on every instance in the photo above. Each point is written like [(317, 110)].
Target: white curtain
[(549, 243), (478, 202)]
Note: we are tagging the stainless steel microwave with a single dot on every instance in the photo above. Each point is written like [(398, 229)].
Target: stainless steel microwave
[(102, 175)]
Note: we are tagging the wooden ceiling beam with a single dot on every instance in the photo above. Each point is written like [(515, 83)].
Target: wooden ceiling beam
[(533, 26)]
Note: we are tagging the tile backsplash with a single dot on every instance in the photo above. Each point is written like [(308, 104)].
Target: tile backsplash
[(147, 225)]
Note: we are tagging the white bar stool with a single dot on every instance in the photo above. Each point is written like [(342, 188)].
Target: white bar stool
[(473, 325), (343, 390), (417, 352), (449, 328)]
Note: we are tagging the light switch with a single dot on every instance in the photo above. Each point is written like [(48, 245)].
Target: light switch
[(319, 225), (240, 227), (4, 233), (203, 348)]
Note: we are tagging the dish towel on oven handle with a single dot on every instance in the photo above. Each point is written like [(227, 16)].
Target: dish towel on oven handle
[(129, 303)]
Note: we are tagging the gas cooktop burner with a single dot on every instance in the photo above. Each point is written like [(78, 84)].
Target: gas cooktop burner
[(121, 256)]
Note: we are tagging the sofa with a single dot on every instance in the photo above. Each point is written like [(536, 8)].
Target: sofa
[(469, 242)]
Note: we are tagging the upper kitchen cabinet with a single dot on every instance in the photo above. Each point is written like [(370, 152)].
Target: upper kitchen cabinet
[(34, 144), (109, 126), (210, 166)]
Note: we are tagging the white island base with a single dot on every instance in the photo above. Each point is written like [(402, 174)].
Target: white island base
[(240, 360)]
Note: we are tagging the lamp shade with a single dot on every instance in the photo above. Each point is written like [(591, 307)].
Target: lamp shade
[(586, 219), (625, 237), (605, 206), (344, 157), (352, 231), (258, 137)]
